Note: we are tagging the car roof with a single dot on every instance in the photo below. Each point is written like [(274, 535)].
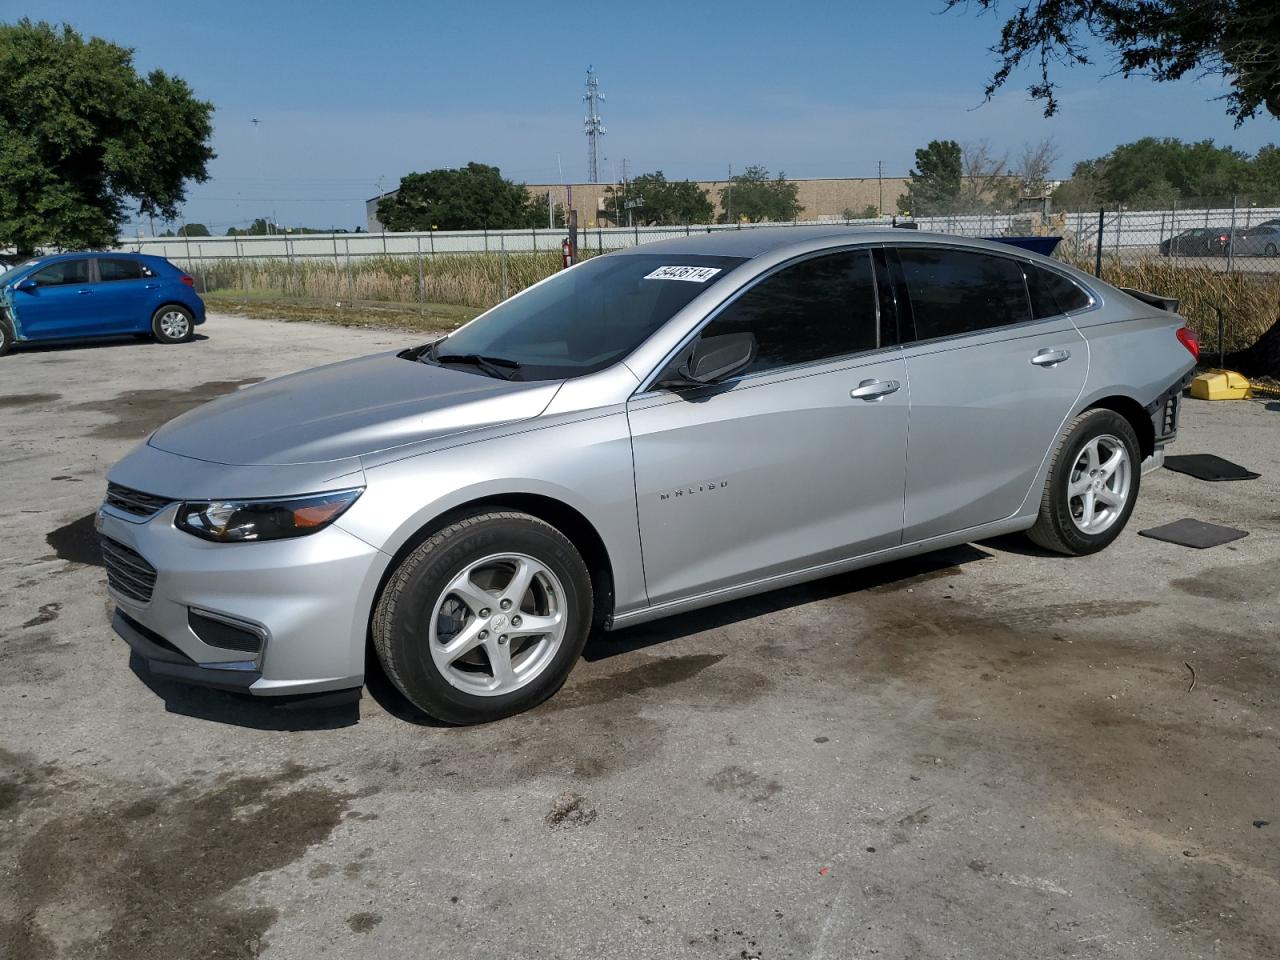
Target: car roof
[(751, 242), (125, 254)]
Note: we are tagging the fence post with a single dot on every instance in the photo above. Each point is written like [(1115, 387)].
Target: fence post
[(1097, 263), (422, 281), (351, 276), (1231, 237), (337, 268), (239, 262), (502, 239)]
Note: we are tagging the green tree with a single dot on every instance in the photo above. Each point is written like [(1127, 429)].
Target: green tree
[(1154, 172), (757, 197), (539, 212), (193, 230), (936, 180), (662, 201), (1264, 175), (84, 138), (466, 198), (1235, 40)]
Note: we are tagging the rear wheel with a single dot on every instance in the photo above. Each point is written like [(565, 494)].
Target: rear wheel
[(1269, 250), (172, 324), (1093, 484), (485, 619), (6, 335)]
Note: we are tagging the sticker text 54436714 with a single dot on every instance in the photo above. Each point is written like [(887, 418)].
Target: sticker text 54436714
[(692, 274)]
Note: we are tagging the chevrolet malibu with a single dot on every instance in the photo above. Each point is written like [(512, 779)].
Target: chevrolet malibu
[(676, 425)]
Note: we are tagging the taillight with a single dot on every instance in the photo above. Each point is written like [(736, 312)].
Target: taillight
[(188, 281), (1187, 337)]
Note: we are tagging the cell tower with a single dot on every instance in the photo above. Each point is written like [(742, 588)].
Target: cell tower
[(594, 126)]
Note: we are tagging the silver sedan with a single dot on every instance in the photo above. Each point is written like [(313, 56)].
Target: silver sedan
[(676, 425)]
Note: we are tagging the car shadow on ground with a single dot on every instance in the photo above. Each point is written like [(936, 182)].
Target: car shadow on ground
[(92, 343), (267, 714), (240, 710), (897, 573)]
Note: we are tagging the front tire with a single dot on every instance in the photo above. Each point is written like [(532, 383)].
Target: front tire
[(485, 619), (172, 324), (1093, 483), (6, 335)]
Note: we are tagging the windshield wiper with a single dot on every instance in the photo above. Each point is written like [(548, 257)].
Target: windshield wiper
[(494, 366)]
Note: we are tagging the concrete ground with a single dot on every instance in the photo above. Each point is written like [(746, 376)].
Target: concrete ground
[(985, 753)]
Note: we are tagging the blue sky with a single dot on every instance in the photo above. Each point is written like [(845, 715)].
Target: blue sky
[(350, 96)]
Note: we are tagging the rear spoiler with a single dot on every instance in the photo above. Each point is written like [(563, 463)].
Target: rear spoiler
[(1168, 304)]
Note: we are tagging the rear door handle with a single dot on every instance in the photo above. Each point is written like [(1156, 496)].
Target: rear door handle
[(872, 390), (151, 286), (84, 293), (1049, 358)]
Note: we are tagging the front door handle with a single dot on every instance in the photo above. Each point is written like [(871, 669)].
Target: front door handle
[(84, 293), (872, 390), (1050, 358)]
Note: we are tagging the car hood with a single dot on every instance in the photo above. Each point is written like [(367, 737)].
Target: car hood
[(347, 410)]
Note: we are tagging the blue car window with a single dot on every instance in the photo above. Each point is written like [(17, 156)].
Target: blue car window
[(62, 272), (110, 268)]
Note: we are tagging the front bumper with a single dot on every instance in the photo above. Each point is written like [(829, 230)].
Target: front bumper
[(304, 602)]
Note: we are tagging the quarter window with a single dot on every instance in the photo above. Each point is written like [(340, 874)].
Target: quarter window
[(960, 291), (1052, 294), (110, 268), (61, 273), (816, 310)]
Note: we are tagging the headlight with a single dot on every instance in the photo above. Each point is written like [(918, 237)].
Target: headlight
[(235, 521)]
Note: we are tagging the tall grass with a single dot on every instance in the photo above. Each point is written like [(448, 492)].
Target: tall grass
[(472, 280), (1249, 302)]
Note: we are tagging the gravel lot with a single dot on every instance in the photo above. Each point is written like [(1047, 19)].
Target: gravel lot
[(987, 752)]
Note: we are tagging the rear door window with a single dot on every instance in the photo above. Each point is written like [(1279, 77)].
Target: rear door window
[(113, 268), (818, 309), (962, 291), (1052, 294), (62, 272)]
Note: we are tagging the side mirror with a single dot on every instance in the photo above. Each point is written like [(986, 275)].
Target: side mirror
[(26, 283), (712, 360)]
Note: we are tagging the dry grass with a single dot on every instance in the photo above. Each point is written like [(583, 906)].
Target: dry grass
[(1250, 302), (470, 280), (390, 291), (412, 317)]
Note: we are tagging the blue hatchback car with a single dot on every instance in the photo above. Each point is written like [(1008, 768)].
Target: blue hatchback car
[(72, 295)]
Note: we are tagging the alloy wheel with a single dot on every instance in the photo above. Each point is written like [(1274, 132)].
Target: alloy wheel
[(175, 325), (1099, 484), (498, 624)]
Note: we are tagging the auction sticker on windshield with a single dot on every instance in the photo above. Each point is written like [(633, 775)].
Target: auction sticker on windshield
[(692, 274)]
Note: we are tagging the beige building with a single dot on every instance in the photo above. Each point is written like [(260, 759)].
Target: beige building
[(818, 199)]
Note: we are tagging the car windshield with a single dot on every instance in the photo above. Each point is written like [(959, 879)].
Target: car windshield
[(581, 320), (12, 273)]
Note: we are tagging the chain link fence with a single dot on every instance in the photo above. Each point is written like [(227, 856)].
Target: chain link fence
[(1220, 257)]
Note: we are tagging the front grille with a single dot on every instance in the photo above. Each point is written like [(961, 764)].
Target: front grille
[(128, 574), (135, 501)]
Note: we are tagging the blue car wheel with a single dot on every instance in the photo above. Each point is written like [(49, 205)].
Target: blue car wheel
[(172, 324)]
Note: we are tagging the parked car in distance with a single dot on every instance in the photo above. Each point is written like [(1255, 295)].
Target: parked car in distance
[(659, 429), (1198, 242), (1260, 241), (74, 295)]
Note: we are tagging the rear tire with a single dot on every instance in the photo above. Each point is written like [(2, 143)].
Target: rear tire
[(6, 336), (1094, 476), (1269, 250), (485, 619), (172, 324)]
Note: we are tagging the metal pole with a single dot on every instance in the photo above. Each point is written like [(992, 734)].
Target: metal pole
[(1097, 263), (235, 239), (422, 280), (351, 276), (337, 267), (1231, 237), (503, 241)]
